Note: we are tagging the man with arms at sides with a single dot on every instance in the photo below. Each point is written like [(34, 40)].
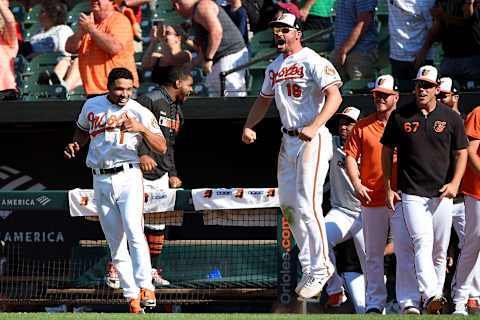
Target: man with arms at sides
[(221, 43), (116, 126), (364, 144), (305, 88), (103, 41), (467, 270), (343, 221), (431, 147)]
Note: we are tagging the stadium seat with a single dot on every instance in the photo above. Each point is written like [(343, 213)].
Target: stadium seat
[(18, 11), (261, 40), (146, 87), (38, 92), (41, 62), (200, 90), (357, 86), (78, 94), (31, 17), (74, 13), (382, 10), (30, 30)]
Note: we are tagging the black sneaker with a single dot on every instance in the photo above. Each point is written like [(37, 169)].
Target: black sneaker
[(44, 78), (373, 311)]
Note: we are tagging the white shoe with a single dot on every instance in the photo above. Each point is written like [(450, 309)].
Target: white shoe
[(157, 279), (460, 310), (313, 286), (411, 310), (302, 282), (111, 278)]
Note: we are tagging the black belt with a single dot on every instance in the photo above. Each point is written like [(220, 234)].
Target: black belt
[(111, 170), (291, 133)]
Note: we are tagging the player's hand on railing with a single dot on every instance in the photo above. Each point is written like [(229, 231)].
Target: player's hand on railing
[(249, 135), (147, 163), (390, 197), (174, 182), (71, 150)]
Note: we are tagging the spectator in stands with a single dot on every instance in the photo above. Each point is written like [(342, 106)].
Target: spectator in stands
[(238, 14), (171, 53), (408, 24), (103, 41), (457, 25), (356, 39), (315, 14), (53, 34), (132, 9), (287, 7), (221, 43), (8, 52)]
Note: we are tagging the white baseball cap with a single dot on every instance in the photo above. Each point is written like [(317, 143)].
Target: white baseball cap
[(447, 86), (350, 112), (427, 73), (286, 19), (385, 84)]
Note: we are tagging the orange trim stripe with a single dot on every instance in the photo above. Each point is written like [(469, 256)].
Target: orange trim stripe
[(314, 209), (266, 95), (331, 83), (94, 133)]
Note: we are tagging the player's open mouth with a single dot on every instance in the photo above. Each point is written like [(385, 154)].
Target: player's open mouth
[(280, 42)]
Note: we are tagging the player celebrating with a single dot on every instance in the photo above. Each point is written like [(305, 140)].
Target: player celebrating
[(305, 88), (343, 221), (466, 270), (431, 146), (364, 144), (116, 126)]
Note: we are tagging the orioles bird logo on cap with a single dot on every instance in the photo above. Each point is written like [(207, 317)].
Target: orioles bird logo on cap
[(282, 17), (439, 126), (425, 72), (381, 81)]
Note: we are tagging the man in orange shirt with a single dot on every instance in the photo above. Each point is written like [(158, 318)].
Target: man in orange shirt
[(103, 41), (364, 144), (471, 189)]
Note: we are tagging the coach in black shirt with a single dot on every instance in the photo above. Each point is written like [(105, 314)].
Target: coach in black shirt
[(431, 149)]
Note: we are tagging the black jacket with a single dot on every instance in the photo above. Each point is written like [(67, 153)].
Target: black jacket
[(170, 118)]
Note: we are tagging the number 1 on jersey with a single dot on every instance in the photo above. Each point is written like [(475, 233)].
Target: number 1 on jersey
[(294, 90)]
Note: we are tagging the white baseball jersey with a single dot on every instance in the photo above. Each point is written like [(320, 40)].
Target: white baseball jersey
[(109, 146), (298, 83), (342, 193)]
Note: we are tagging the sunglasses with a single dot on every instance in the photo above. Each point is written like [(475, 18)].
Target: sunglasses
[(169, 33), (284, 30), (380, 95), (424, 84)]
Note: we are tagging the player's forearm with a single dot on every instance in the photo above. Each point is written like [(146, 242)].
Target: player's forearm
[(473, 158), (387, 167), (460, 162), (351, 167), (81, 137), (157, 143), (258, 111)]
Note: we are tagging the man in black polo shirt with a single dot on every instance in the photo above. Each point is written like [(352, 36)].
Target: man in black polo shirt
[(431, 149)]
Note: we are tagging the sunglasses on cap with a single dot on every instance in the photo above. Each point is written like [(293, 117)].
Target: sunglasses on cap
[(442, 95), (424, 84), (284, 30), (380, 95)]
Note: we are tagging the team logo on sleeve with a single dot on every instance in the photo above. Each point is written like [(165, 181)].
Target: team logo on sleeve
[(439, 126), (329, 71), (155, 123)]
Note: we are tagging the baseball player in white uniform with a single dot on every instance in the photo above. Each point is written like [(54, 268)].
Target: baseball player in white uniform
[(343, 221), (115, 126), (305, 88)]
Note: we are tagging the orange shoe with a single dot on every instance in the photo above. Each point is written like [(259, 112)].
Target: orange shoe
[(473, 306), (134, 305), (336, 299), (147, 298)]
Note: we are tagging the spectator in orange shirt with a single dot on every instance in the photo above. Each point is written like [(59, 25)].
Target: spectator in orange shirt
[(103, 41), (364, 144), (8, 52)]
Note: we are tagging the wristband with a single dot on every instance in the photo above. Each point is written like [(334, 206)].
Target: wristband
[(208, 59)]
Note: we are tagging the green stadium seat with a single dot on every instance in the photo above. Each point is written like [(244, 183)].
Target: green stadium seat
[(146, 87), (74, 13), (32, 30), (200, 90), (78, 94), (38, 92), (31, 17), (18, 11), (44, 61), (382, 10), (261, 40), (20, 64), (357, 86)]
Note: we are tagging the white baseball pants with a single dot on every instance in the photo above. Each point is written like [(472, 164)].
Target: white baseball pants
[(155, 185), (428, 222), (355, 286), (235, 82), (376, 222), (341, 227), (458, 223), (302, 168), (119, 199), (468, 260)]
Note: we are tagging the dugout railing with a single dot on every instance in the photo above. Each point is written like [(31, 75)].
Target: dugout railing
[(199, 270)]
